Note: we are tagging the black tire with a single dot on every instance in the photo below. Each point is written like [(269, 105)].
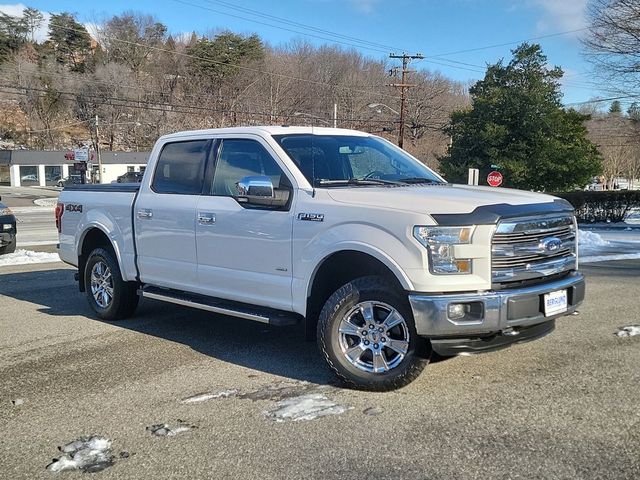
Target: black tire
[(331, 341), (9, 248), (125, 298)]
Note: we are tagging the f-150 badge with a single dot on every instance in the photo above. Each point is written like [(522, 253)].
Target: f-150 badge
[(311, 217)]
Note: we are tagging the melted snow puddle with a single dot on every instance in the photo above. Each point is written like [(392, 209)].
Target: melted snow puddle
[(204, 397), (628, 331), (305, 407), (163, 430), (89, 454)]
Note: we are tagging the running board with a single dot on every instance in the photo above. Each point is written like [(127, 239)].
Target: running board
[(249, 312)]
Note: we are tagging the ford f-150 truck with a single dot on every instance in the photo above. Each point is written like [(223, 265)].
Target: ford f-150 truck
[(380, 257)]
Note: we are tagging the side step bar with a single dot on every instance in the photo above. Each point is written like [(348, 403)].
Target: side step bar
[(249, 312)]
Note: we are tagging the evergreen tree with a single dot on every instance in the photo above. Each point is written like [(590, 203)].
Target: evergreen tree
[(517, 122), (219, 58), (615, 107), (70, 41)]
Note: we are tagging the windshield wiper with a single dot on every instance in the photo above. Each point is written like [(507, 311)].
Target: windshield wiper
[(354, 181), (418, 180)]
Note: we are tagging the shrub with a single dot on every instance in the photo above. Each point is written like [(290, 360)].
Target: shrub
[(602, 206)]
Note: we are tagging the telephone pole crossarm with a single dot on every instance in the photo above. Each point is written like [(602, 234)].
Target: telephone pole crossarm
[(403, 86)]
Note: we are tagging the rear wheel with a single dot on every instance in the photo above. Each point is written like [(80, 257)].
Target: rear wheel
[(108, 294), (9, 248), (367, 335)]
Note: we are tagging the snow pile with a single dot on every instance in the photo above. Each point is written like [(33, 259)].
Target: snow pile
[(46, 202), (89, 454), (204, 397), (163, 430), (609, 258), (628, 331), (305, 407), (587, 239), (24, 257)]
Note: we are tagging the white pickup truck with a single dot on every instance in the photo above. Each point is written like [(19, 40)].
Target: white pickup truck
[(382, 259)]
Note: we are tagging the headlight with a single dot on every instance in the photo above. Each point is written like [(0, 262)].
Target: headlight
[(7, 226), (439, 242), (5, 211)]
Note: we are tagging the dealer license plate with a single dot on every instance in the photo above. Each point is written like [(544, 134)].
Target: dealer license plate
[(555, 302)]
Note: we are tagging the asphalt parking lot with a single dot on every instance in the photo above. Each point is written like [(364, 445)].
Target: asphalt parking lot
[(566, 406)]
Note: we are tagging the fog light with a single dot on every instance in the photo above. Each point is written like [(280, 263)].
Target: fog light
[(456, 311), (7, 226)]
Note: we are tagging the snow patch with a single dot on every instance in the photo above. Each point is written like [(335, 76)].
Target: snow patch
[(46, 202), (607, 258), (204, 397), (163, 430), (89, 454), (591, 239), (628, 331), (305, 407), (25, 257)]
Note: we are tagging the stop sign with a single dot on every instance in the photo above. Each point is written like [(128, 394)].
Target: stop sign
[(494, 179)]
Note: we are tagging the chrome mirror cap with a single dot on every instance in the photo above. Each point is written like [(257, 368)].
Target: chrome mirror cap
[(255, 186)]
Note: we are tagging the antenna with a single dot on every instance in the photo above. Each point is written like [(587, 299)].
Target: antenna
[(313, 166)]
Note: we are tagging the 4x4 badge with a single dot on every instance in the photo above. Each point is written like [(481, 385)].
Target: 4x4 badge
[(311, 217)]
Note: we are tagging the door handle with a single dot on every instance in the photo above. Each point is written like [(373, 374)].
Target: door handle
[(144, 213), (206, 218)]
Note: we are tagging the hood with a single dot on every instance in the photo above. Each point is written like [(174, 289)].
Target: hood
[(450, 200)]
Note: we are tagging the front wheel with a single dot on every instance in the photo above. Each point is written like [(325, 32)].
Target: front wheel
[(108, 294), (10, 248), (368, 337)]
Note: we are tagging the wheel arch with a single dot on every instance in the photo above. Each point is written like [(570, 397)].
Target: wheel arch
[(93, 237), (340, 267)]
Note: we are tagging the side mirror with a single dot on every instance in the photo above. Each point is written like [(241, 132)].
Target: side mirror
[(258, 190)]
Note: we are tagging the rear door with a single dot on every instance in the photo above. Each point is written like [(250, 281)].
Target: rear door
[(165, 215), (244, 252)]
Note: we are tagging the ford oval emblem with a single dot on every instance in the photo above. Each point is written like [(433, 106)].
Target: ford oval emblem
[(550, 244)]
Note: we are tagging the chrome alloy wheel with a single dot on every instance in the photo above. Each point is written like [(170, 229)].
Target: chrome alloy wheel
[(374, 337), (101, 284)]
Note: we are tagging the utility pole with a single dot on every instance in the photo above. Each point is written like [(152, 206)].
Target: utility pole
[(403, 86), (335, 115), (98, 152)]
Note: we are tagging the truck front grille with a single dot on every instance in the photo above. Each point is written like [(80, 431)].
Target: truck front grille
[(531, 248)]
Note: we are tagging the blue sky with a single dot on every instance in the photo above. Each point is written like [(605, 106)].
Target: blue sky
[(435, 28)]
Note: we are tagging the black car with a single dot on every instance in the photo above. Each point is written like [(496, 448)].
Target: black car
[(7, 230), (130, 177)]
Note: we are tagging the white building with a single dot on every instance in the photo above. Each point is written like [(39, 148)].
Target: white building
[(43, 168)]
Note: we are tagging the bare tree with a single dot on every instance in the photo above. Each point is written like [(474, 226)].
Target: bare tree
[(613, 42)]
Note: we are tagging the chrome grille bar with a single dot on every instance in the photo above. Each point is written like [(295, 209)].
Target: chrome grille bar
[(530, 248)]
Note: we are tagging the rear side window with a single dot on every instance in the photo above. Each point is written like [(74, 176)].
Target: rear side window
[(180, 168)]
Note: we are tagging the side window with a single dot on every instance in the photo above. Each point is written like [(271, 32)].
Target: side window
[(239, 158), (180, 168)]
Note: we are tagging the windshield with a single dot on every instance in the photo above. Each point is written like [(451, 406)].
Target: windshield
[(339, 160)]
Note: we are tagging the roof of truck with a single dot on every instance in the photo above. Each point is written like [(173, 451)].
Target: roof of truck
[(271, 130)]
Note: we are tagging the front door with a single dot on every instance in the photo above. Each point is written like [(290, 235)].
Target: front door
[(244, 252), (165, 215)]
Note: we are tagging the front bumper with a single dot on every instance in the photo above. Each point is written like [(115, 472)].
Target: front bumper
[(7, 236), (507, 316)]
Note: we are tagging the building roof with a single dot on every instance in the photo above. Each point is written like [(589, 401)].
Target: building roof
[(56, 157)]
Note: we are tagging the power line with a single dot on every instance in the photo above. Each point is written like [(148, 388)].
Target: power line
[(505, 44), (169, 108)]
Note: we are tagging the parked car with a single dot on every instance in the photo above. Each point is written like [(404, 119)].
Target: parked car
[(130, 177), (29, 178), (380, 258), (70, 180), (8, 230)]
